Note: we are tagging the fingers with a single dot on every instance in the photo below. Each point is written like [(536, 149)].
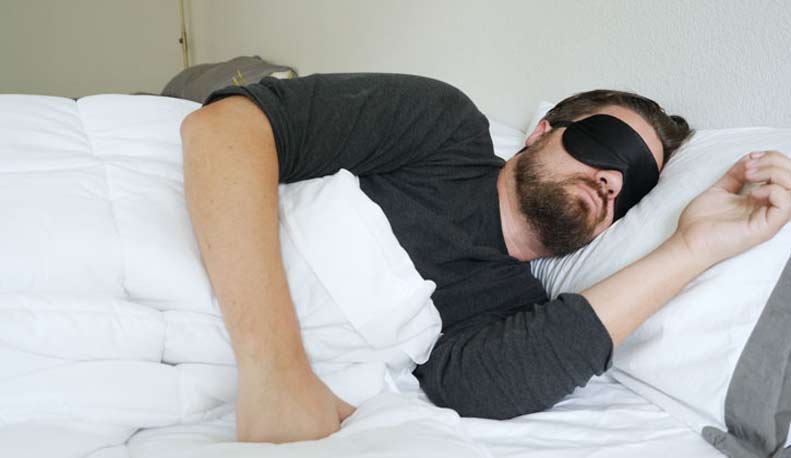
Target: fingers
[(777, 212), (735, 177), (770, 167), (757, 167), (345, 409)]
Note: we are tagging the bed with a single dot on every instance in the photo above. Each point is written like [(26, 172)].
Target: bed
[(112, 341)]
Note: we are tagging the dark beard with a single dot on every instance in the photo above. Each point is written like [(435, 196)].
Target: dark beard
[(560, 219)]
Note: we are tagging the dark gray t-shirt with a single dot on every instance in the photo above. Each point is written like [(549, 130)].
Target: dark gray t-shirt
[(423, 153)]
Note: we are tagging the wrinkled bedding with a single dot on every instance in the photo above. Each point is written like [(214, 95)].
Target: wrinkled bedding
[(112, 343)]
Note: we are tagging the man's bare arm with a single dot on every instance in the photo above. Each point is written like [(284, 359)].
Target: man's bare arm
[(716, 225), (626, 299), (230, 183)]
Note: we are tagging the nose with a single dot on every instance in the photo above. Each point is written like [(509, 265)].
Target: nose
[(611, 182)]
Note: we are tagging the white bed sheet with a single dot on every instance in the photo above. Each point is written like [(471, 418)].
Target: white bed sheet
[(602, 419)]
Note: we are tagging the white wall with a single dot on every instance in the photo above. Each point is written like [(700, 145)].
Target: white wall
[(720, 63), (79, 47)]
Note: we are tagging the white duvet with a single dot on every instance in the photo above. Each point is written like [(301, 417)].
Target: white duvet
[(112, 343)]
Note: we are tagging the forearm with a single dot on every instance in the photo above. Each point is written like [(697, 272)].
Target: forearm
[(230, 183), (626, 299)]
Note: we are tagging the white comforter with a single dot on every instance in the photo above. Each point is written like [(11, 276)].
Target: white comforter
[(108, 324)]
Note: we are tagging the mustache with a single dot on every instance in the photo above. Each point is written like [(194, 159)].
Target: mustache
[(593, 186), (562, 220)]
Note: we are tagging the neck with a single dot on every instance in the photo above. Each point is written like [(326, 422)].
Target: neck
[(520, 239)]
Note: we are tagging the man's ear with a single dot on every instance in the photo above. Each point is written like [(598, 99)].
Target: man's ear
[(541, 128)]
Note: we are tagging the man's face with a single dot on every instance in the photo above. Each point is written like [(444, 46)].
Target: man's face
[(567, 202)]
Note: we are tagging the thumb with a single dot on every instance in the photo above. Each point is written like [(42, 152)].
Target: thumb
[(344, 409), (735, 177)]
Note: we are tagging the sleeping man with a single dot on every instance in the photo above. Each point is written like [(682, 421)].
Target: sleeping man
[(469, 221)]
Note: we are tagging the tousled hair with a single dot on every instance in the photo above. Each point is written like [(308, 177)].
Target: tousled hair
[(672, 131)]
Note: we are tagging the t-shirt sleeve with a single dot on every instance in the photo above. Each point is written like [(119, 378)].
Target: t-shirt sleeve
[(523, 363), (367, 123)]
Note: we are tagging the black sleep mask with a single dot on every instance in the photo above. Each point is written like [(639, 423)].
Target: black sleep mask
[(607, 143)]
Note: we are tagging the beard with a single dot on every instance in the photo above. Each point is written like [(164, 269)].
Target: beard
[(561, 221)]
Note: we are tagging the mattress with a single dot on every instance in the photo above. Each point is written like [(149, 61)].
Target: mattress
[(89, 294)]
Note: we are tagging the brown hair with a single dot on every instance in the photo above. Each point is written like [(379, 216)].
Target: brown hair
[(672, 131)]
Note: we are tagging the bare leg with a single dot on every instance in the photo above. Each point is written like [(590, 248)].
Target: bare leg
[(230, 183)]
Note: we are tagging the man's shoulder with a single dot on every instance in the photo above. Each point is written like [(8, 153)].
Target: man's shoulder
[(395, 79)]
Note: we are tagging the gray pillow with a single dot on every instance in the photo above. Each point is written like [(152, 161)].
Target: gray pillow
[(197, 82), (758, 405)]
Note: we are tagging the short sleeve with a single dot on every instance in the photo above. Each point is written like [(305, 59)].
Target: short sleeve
[(367, 123)]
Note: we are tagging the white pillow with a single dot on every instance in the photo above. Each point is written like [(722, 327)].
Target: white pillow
[(506, 139), (538, 115), (693, 358), (365, 320)]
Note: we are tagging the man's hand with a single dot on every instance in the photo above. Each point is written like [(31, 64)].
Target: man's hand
[(717, 224), (721, 222), (231, 174), (286, 406)]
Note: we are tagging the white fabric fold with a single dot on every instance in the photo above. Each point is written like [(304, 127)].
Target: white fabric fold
[(106, 312)]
